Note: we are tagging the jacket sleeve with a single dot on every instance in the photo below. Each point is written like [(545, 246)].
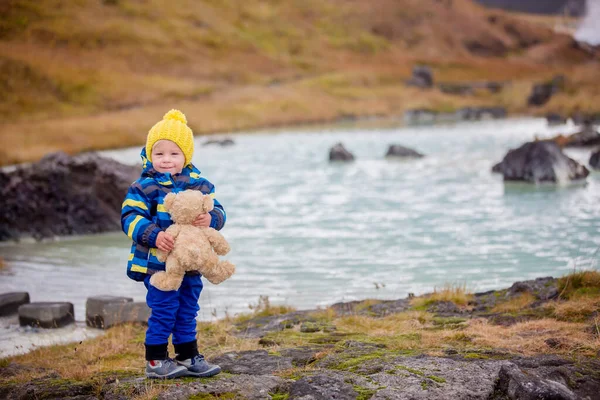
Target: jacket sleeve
[(136, 220)]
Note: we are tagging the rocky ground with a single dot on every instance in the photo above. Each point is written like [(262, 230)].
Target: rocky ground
[(313, 355)]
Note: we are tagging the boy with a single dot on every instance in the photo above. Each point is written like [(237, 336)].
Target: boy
[(167, 168)]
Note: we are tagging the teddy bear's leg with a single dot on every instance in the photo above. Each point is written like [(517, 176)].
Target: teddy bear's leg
[(221, 271), (217, 241), (170, 279)]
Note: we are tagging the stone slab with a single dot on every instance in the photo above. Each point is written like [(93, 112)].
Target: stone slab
[(119, 313), (10, 302), (95, 309), (46, 314)]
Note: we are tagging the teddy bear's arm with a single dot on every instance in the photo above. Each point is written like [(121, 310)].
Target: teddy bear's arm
[(217, 241), (174, 231)]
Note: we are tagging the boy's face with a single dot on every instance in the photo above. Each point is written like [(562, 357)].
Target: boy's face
[(167, 157)]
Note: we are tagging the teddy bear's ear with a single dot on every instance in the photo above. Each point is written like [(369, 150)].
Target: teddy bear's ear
[(169, 200), (208, 204)]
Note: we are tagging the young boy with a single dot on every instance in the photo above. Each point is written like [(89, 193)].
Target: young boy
[(167, 168)]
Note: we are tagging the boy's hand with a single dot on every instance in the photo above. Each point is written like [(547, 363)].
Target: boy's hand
[(165, 242), (202, 220)]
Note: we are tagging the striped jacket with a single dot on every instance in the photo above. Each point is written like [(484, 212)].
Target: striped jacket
[(143, 214)]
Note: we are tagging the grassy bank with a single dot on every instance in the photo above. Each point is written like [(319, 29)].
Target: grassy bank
[(568, 326), (97, 75)]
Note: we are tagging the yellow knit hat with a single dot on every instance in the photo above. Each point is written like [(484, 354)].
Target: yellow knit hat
[(173, 127)]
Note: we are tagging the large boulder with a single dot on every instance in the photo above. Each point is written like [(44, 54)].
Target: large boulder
[(63, 195), (538, 162)]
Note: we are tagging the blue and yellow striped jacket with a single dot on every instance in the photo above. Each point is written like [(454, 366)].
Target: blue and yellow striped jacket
[(143, 214)]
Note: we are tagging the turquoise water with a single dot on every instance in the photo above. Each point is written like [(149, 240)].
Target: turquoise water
[(307, 233)]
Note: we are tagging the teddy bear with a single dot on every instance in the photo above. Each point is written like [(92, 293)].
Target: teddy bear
[(196, 248)]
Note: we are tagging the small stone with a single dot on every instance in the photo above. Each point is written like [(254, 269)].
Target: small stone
[(552, 342)]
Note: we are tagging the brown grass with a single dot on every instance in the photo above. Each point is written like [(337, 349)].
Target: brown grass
[(456, 294), (96, 76), (515, 304)]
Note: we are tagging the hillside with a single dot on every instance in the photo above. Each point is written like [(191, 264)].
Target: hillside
[(96, 74)]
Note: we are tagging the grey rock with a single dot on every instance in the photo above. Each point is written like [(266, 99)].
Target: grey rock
[(516, 384), (419, 116), (259, 326), (542, 288), (542, 92), (120, 313), (257, 362), (219, 142), (555, 119), (10, 302), (396, 150), (537, 162), (95, 312), (63, 195), (339, 153), (589, 136), (250, 387), (422, 77), (436, 378), (301, 356), (322, 387), (595, 160), (46, 314)]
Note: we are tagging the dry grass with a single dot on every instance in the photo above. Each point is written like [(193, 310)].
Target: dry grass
[(577, 310), (456, 294), (515, 304), (96, 76), (579, 283), (528, 338)]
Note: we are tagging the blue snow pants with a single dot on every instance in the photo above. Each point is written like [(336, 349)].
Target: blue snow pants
[(173, 312)]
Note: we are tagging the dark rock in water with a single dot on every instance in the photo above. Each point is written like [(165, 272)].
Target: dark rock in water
[(589, 136), (220, 142), (595, 160), (422, 77), (396, 150), (538, 162), (64, 195), (555, 119), (339, 153)]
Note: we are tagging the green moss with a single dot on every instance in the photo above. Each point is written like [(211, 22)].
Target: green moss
[(364, 393), (436, 379), (411, 370), (207, 396), (476, 356), (279, 396), (424, 385), (351, 364)]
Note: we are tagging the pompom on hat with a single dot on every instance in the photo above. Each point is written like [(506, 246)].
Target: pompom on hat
[(172, 127)]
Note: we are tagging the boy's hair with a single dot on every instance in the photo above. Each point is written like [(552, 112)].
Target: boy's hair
[(172, 127)]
